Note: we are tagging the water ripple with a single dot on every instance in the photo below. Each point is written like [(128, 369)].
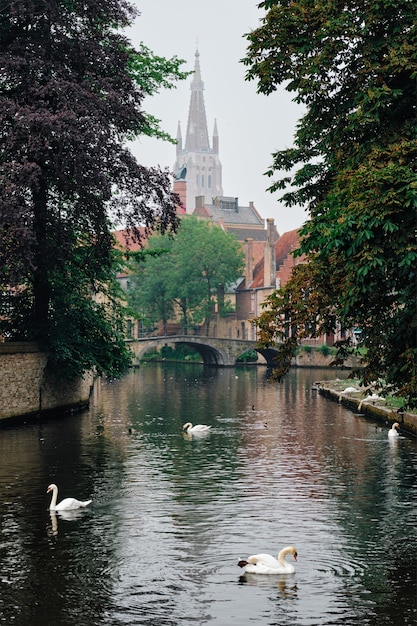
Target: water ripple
[(171, 517)]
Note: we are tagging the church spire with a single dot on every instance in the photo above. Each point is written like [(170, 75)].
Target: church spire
[(197, 139), (201, 162)]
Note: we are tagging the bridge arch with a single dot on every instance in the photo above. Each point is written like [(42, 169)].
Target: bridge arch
[(211, 355), (215, 351), (269, 354)]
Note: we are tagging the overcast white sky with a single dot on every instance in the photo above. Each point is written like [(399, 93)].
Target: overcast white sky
[(251, 126)]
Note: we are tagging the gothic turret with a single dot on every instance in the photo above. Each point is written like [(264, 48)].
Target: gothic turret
[(215, 138), (179, 139)]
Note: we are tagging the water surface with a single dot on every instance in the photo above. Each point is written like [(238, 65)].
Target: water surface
[(172, 515)]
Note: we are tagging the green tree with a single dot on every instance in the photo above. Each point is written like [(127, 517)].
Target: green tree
[(149, 293), (71, 92), (196, 260), (353, 165), (207, 258)]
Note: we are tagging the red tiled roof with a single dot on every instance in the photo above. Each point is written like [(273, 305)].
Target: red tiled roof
[(202, 212), (283, 247), (125, 240), (258, 276), (285, 244)]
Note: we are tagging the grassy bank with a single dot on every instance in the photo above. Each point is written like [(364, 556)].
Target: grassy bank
[(387, 408)]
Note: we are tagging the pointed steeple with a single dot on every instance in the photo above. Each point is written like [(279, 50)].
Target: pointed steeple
[(197, 139), (202, 163)]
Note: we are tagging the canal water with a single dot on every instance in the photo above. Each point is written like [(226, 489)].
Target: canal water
[(172, 515)]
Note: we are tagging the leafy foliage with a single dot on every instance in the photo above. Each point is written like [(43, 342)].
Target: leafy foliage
[(151, 73), (353, 165), (72, 90), (193, 264), (149, 297)]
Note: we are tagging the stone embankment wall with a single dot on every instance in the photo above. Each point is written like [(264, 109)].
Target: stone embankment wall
[(26, 389), (374, 409), (316, 359)]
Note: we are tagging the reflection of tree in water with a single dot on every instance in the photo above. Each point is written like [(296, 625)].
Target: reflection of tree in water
[(375, 511), (170, 516)]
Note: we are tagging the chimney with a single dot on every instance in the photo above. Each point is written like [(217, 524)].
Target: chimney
[(249, 262), (180, 187), (270, 266), (199, 202)]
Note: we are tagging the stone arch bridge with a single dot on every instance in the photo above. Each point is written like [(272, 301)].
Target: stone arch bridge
[(218, 352)]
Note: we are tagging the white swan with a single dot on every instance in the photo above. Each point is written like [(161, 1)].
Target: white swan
[(372, 398), (347, 391), (198, 428), (393, 431), (267, 564), (350, 390), (67, 504)]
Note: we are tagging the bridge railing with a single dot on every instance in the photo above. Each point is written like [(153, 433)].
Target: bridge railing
[(193, 331)]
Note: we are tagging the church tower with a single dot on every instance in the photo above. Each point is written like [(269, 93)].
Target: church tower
[(203, 174)]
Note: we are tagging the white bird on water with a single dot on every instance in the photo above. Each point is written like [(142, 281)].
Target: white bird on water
[(393, 431), (198, 428), (268, 564), (67, 504)]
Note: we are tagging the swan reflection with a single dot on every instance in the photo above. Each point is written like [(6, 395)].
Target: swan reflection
[(68, 516), (281, 582)]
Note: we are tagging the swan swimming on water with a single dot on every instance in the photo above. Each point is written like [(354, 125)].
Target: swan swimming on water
[(393, 431), (198, 428), (267, 564), (67, 504)]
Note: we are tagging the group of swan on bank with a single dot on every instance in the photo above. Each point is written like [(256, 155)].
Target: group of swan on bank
[(373, 398), (369, 399)]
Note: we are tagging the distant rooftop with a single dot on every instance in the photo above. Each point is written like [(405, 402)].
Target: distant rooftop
[(226, 209)]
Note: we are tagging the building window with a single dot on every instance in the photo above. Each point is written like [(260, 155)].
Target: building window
[(209, 181), (252, 302), (202, 180), (196, 180)]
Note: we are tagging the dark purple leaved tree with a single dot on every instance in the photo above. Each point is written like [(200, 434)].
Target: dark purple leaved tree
[(70, 99)]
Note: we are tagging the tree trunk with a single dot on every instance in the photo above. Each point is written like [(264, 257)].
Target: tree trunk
[(41, 284)]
